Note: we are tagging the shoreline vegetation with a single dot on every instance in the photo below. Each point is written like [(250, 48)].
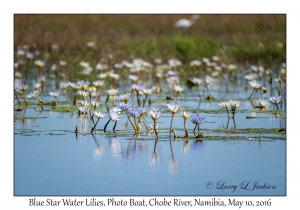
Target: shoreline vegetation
[(241, 39)]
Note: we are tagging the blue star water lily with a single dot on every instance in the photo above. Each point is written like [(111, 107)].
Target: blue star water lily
[(197, 120), (124, 106), (135, 112)]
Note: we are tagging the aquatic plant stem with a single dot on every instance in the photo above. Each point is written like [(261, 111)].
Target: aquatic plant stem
[(148, 129), (135, 123), (115, 126), (137, 98), (145, 100), (234, 122), (196, 127), (227, 113), (171, 124), (154, 127), (252, 93), (199, 92), (39, 103), (186, 131), (106, 125), (227, 123), (95, 125), (17, 97), (26, 103), (130, 121), (176, 96)]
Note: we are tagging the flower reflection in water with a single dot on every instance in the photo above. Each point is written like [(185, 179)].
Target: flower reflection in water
[(115, 146), (186, 147), (99, 150), (173, 165), (134, 150), (197, 145), (155, 157)]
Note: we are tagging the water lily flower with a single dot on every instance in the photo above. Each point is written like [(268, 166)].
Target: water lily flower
[(225, 105), (82, 94), (21, 88), (173, 108), (64, 86), (251, 77), (63, 63), (197, 120), (137, 89), (95, 104), (155, 109), (83, 85), (275, 100), (99, 115), (133, 78), (197, 82), (255, 86), (55, 94), (208, 81), (262, 103), (73, 85), (39, 63), (234, 105), (146, 91), (37, 86), (113, 116), (125, 97), (114, 75), (34, 95), (178, 89), (135, 112), (112, 92), (124, 106), (84, 103), (84, 109), (98, 83), (195, 63), (155, 115), (185, 115)]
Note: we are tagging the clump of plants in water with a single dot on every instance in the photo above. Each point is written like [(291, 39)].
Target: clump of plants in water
[(94, 76)]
